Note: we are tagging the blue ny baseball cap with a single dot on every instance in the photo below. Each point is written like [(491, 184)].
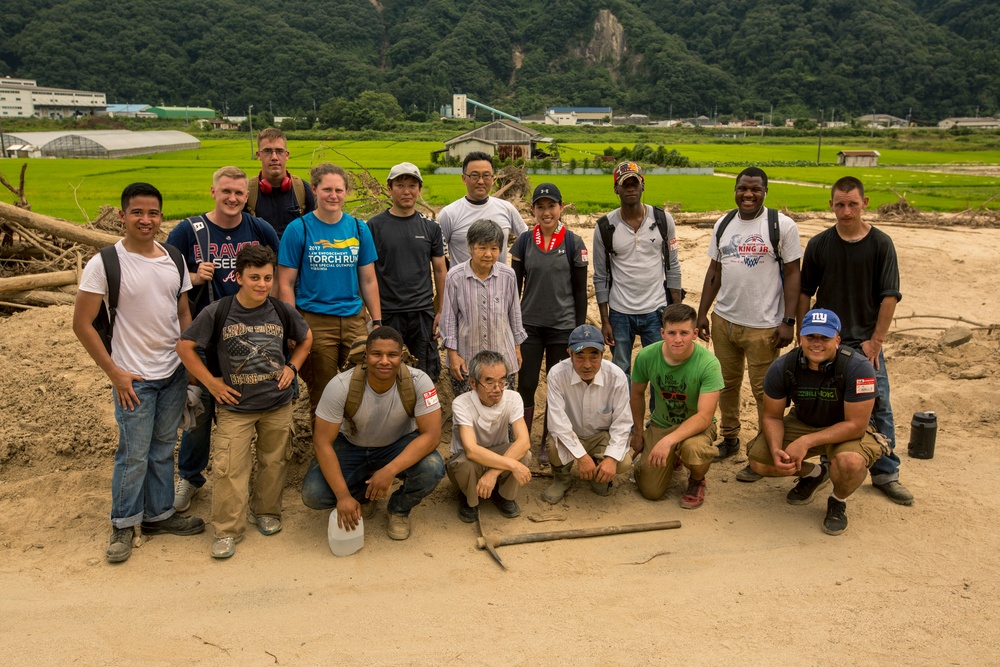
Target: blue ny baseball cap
[(820, 321)]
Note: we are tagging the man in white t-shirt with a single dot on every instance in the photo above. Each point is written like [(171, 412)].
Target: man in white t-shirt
[(456, 218), (484, 462), (755, 287), (149, 382), (358, 458)]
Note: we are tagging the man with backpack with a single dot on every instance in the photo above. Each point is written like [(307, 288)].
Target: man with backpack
[(209, 243), (275, 194), (636, 271), (130, 310), (831, 388), (250, 374), (377, 422), (753, 277)]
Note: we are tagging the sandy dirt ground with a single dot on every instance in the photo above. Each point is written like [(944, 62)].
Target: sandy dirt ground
[(747, 577)]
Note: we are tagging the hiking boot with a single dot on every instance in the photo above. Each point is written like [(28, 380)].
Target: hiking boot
[(175, 525), (509, 508), (561, 481), (225, 547), (120, 546), (806, 487), (268, 525), (399, 526), (836, 517), (184, 493), (727, 448), (466, 512), (600, 488), (695, 494), (895, 492), (368, 510), (747, 474)]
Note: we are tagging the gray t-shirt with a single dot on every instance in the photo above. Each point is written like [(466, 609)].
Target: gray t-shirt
[(250, 351), (547, 298), (381, 418)]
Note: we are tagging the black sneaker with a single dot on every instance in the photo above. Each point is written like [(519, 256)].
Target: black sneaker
[(836, 517), (120, 546), (727, 448), (803, 491), (509, 508), (465, 512), (175, 525)]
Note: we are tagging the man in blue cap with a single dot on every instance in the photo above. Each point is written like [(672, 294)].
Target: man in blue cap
[(589, 416), (832, 391)]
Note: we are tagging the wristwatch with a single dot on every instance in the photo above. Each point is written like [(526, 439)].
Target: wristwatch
[(376, 322), (292, 366), (790, 321)]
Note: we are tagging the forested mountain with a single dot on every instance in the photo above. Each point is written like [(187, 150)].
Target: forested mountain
[(679, 57)]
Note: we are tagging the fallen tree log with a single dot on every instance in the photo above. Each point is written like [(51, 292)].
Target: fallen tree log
[(60, 228), (41, 298), (37, 280)]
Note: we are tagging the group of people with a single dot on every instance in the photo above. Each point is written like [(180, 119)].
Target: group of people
[(278, 283)]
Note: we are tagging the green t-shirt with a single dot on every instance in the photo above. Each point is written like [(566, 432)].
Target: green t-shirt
[(676, 388)]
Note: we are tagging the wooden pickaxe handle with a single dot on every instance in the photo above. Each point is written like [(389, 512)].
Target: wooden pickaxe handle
[(548, 536)]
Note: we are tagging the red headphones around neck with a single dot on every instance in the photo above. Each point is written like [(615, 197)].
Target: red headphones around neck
[(267, 188)]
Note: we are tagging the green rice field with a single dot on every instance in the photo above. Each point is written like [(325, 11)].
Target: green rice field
[(185, 177)]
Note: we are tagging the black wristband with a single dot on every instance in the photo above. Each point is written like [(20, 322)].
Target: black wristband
[(292, 366), (378, 322)]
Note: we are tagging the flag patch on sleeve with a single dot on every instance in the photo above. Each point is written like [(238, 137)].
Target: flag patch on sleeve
[(431, 398), (865, 386)]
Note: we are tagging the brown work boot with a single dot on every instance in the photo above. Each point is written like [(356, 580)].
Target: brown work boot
[(561, 481)]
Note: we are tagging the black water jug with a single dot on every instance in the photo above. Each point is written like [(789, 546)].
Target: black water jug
[(923, 433)]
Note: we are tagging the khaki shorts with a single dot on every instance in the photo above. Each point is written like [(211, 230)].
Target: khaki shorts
[(867, 445)]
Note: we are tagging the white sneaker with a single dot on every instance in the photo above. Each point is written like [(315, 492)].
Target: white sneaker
[(184, 493)]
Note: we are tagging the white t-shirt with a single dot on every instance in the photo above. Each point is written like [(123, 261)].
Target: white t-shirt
[(751, 293), (489, 423), (456, 218), (381, 418), (146, 327)]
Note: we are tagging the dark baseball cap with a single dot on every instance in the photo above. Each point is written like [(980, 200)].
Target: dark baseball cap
[(586, 335), (546, 191), (627, 170)]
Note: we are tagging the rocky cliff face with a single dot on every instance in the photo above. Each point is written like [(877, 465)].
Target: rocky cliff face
[(607, 46)]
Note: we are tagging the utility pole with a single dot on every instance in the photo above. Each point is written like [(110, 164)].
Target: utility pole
[(250, 118), (819, 146)]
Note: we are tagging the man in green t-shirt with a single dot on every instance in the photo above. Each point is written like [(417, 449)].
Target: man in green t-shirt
[(686, 379)]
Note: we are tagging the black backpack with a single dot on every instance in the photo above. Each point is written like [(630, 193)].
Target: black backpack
[(607, 231), (773, 232), (835, 375), (222, 312), (104, 323)]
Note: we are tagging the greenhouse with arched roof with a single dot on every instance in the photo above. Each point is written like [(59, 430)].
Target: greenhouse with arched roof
[(103, 143)]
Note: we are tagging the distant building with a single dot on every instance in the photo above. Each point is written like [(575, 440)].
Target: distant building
[(632, 119), (858, 158), (974, 123), (503, 138), (881, 120), (187, 113), (24, 98), (223, 124), (130, 111), (578, 115), (98, 143)]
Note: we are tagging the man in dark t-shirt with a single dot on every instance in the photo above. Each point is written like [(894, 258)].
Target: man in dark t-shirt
[(277, 195), (852, 269), (832, 392), (408, 245)]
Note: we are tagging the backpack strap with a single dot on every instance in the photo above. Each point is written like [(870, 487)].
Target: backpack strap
[(607, 232), (253, 190), (178, 258), (404, 384), (105, 320), (722, 228), (570, 248), (356, 392), (281, 308), (211, 350), (660, 218), (299, 189)]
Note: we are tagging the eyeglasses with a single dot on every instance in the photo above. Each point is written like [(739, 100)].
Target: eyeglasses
[(273, 151), (498, 384), (475, 177)]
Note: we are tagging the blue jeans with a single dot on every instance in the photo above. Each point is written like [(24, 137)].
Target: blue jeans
[(886, 469), (626, 328), (192, 455), (358, 464), (142, 484)]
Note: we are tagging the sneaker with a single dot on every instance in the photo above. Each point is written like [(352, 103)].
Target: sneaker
[(467, 513), (509, 508), (747, 474), (225, 547), (175, 525), (806, 487), (695, 494), (836, 517), (399, 526), (368, 510), (727, 448), (895, 492), (184, 493), (120, 546), (268, 525)]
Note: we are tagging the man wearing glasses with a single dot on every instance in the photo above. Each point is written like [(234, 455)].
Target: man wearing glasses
[(686, 380), (477, 204), (276, 195)]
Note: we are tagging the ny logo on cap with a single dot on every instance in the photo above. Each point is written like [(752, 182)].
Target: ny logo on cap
[(819, 318)]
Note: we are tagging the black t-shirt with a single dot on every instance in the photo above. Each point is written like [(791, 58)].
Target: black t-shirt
[(405, 247), (818, 401), (280, 208), (851, 279)]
